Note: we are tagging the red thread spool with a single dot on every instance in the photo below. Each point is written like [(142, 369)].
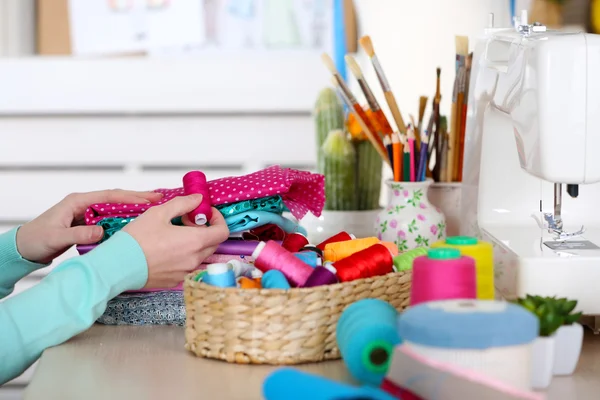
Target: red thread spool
[(270, 255), (294, 242), (194, 182), (340, 237), (372, 261)]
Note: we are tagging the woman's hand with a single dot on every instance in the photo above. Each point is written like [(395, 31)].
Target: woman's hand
[(174, 251), (62, 226)]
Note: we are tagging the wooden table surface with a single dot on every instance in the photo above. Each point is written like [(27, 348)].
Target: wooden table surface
[(149, 363)]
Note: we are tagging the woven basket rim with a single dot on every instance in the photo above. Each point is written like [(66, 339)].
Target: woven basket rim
[(190, 282)]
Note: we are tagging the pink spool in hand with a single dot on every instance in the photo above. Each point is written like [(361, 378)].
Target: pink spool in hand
[(443, 274), (194, 182)]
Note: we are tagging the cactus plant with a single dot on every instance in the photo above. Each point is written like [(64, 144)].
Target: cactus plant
[(329, 116), (352, 167), (339, 167)]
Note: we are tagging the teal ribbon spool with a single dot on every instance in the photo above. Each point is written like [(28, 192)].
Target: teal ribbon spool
[(274, 279), (366, 336)]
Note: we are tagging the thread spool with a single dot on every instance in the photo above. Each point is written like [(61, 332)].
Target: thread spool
[(339, 237), (293, 242), (248, 283), (483, 254), (491, 337), (241, 269), (372, 261), (194, 182), (274, 279), (325, 275), (404, 261), (442, 274), (392, 247), (271, 256), (309, 257), (220, 275), (366, 336), (339, 250), (312, 248)]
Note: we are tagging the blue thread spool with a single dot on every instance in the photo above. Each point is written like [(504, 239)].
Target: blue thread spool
[(220, 275), (274, 279), (309, 257), (366, 336), (292, 384)]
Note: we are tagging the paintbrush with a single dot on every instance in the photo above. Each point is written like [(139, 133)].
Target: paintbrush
[(378, 114), (353, 103), (419, 126), (367, 45), (364, 124), (454, 127), (431, 145), (415, 135), (462, 49), (444, 152), (462, 133), (437, 137)]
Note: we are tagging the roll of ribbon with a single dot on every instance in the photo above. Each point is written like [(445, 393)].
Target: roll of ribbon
[(274, 279), (339, 250), (404, 261), (220, 275), (492, 337), (366, 335), (309, 257), (442, 274), (483, 254)]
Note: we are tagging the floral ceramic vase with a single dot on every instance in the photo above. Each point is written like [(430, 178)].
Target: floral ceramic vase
[(410, 220)]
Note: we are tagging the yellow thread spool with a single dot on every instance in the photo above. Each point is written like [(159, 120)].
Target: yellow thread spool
[(339, 250), (483, 254)]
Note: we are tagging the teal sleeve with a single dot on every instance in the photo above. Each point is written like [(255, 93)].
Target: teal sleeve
[(13, 267), (67, 301)]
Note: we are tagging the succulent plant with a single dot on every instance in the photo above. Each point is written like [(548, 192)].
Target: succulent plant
[(551, 312)]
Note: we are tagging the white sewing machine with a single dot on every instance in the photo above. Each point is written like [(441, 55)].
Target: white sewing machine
[(533, 146)]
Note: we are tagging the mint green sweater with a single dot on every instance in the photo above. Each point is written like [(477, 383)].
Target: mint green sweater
[(63, 304)]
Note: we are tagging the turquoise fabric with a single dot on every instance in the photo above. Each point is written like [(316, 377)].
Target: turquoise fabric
[(272, 204), (254, 219), (66, 302)]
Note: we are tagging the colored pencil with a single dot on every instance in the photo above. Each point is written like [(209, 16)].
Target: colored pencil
[(411, 148), (423, 157), (397, 157), (406, 163), (387, 141)]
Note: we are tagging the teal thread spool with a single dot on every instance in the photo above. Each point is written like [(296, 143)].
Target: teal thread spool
[(309, 257), (404, 261), (220, 275), (273, 279), (366, 336)]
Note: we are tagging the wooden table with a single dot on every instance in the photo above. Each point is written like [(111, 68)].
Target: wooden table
[(148, 363)]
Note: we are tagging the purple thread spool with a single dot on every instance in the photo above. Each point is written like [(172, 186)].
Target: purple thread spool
[(270, 255), (325, 275), (194, 182)]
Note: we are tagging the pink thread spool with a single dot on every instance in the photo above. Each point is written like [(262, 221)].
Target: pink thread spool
[(194, 182), (270, 255), (443, 274)]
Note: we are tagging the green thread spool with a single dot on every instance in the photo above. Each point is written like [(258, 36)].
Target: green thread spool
[(404, 261)]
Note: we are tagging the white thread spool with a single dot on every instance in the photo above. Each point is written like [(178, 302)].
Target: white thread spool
[(491, 337)]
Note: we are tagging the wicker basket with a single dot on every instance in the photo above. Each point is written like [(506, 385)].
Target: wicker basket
[(279, 327)]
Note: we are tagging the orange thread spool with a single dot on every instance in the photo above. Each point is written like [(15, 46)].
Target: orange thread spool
[(375, 260), (339, 250), (391, 247), (247, 283)]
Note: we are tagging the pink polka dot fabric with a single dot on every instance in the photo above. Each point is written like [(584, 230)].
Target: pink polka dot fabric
[(301, 191)]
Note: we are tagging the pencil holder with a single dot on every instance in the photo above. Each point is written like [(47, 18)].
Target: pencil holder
[(410, 220), (275, 326)]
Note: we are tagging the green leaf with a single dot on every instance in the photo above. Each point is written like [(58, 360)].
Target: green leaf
[(569, 306)]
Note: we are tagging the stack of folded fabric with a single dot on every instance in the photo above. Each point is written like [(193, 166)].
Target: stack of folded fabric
[(252, 205)]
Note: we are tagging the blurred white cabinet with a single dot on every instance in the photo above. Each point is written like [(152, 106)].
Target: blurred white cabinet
[(80, 125)]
